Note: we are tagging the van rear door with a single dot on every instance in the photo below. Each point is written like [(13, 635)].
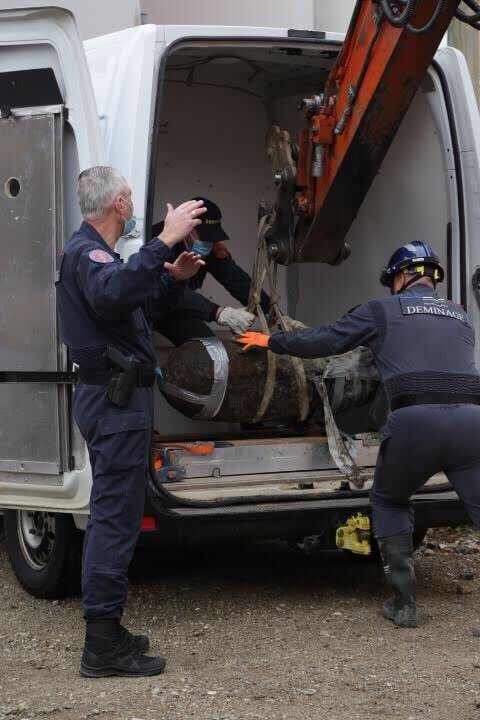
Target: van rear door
[(460, 111), (49, 130), (123, 70)]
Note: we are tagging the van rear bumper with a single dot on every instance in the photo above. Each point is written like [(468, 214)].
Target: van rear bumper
[(287, 520)]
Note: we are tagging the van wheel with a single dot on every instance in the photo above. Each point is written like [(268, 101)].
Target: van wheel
[(45, 550)]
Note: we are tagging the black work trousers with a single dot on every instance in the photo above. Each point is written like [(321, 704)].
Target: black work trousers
[(118, 441), (419, 441)]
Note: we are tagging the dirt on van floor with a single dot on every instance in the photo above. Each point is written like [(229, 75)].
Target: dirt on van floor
[(259, 632)]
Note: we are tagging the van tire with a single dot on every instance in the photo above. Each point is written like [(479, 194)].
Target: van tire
[(45, 551)]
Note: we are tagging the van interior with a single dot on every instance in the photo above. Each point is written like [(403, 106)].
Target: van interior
[(218, 100)]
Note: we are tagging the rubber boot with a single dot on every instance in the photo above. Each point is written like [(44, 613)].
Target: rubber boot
[(398, 565), (109, 650)]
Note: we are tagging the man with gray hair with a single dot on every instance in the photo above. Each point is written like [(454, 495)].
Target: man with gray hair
[(101, 303)]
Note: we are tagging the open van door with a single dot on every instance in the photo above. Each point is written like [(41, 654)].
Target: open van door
[(49, 130), (123, 67), (461, 136)]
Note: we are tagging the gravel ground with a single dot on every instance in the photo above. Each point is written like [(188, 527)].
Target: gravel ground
[(259, 632)]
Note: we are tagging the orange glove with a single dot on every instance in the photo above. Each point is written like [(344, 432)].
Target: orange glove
[(253, 339)]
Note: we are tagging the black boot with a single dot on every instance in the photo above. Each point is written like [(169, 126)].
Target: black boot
[(141, 642), (397, 556), (109, 650), (109, 628)]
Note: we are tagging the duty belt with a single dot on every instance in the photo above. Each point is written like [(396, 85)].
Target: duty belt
[(433, 398), (432, 388), (145, 376)]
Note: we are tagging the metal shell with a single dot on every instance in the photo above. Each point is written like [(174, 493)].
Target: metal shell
[(190, 369)]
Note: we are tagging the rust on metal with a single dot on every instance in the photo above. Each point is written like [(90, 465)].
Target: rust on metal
[(190, 368)]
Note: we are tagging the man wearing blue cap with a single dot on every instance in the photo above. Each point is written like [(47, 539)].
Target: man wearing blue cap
[(193, 311)]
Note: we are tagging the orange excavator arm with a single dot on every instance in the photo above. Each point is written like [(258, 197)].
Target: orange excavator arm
[(350, 126)]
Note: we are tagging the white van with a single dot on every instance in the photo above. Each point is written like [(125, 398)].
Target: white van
[(183, 111)]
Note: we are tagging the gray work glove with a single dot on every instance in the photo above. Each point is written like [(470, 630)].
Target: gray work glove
[(237, 319)]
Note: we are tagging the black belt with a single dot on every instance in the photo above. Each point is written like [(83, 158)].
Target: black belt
[(433, 398), (92, 376)]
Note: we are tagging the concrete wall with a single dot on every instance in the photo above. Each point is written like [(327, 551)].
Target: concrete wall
[(99, 17), (288, 13), (467, 40), (94, 17), (306, 14), (333, 15)]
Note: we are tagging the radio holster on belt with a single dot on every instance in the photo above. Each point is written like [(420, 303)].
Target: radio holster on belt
[(122, 384)]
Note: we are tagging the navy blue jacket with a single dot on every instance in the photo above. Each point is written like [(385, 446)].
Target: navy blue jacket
[(103, 301), (225, 270), (221, 265), (410, 334)]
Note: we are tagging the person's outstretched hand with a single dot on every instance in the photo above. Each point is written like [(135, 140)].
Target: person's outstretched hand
[(185, 266), (180, 221), (253, 339)]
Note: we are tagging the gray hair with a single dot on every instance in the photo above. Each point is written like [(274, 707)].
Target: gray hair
[(97, 189)]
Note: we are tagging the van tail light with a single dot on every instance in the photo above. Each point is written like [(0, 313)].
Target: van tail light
[(149, 523)]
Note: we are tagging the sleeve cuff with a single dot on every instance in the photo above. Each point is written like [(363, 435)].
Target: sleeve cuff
[(277, 343), (172, 285), (213, 313), (165, 252)]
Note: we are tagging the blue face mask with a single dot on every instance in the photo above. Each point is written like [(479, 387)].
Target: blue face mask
[(130, 224), (202, 248)]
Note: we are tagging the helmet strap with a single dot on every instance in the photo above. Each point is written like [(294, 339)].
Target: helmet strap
[(418, 276)]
